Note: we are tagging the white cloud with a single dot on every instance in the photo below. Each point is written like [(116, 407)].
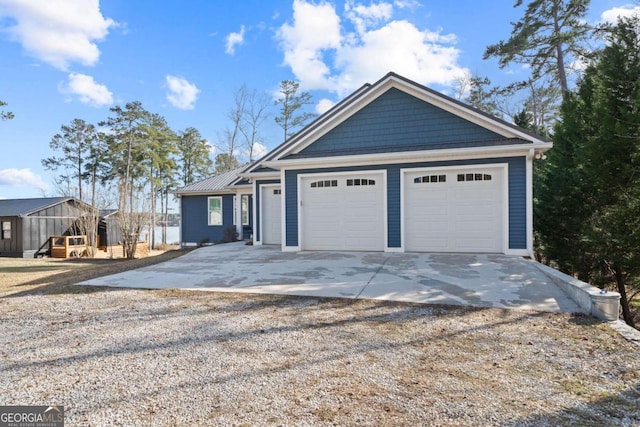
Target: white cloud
[(613, 14), (324, 105), (259, 150), (316, 28), (233, 40), (323, 55), (182, 94), (21, 178), (364, 17), (59, 32), (87, 90)]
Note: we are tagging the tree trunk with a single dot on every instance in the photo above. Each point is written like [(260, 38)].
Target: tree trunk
[(624, 302), (562, 73)]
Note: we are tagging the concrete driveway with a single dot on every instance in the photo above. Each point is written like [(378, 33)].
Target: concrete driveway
[(458, 279)]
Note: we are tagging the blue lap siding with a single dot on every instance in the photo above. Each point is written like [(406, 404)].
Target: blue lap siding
[(195, 221), (397, 121), (516, 183)]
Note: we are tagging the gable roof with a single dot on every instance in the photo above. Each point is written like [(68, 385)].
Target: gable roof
[(217, 183), (367, 94), (24, 207)]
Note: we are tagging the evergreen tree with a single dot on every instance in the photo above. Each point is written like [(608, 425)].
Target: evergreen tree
[(588, 210), (290, 103), (76, 144), (127, 142), (550, 35), (194, 160), (5, 115)]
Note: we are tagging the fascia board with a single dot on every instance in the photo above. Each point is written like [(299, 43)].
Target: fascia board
[(432, 97), (411, 156)]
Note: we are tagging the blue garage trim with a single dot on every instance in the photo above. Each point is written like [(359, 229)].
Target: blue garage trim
[(517, 197), (195, 221), (257, 233)]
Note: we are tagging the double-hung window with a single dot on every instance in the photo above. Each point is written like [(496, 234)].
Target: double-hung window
[(215, 210), (6, 230)]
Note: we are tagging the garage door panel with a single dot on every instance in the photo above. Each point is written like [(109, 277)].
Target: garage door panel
[(455, 213), (341, 216)]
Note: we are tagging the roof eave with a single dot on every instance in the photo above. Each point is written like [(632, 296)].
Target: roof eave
[(413, 156)]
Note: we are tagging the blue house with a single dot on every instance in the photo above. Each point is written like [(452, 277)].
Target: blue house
[(395, 167), (210, 206)]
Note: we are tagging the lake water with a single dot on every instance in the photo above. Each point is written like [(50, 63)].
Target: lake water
[(173, 235)]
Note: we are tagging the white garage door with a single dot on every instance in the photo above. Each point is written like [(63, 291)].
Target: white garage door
[(454, 210), (271, 218), (342, 212)]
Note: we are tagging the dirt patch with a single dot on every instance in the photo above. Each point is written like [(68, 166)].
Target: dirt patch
[(51, 276)]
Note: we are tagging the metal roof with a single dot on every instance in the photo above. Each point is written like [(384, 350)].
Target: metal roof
[(24, 207), (219, 182)]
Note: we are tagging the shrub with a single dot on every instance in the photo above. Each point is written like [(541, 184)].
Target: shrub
[(229, 234)]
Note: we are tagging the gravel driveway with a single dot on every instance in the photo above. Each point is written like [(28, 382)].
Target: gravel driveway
[(163, 358)]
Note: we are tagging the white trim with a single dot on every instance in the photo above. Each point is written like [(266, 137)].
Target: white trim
[(505, 195), (271, 186), (380, 172), (410, 156), (260, 175), (517, 252), (206, 193), (254, 212), (209, 211)]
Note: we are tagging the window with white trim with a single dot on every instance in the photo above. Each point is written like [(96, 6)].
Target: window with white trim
[(244, 209), (467, 177), (325, 183), (215, 210), (360, 182), (6, 230), (427, 179)]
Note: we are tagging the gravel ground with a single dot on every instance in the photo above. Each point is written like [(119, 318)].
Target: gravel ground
[(164, 358)]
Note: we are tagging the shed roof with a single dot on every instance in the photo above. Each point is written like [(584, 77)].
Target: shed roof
[(24, 207), (219, 182)]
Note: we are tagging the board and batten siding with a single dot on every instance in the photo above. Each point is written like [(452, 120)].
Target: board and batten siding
[(12, 247), (397, 121), (195, 218), (516, 183), (30, 234)]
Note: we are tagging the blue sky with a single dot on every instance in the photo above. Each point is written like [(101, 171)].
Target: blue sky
[(183, 59)]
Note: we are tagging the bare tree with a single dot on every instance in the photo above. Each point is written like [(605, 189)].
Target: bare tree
[(256, 112)]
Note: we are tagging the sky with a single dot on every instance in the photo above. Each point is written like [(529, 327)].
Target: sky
[(184, 59)]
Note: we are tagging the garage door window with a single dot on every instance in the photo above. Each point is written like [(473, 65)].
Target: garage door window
[(360, 181), (325, 183), (427, 179), (473, 177)]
